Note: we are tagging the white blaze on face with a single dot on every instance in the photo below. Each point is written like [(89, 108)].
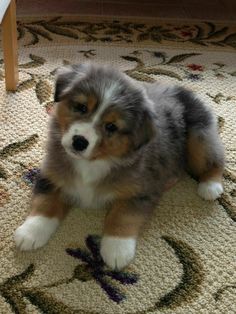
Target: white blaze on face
[(88, 129)]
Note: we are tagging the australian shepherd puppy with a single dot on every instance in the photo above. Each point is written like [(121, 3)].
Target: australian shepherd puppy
[(117, 143)]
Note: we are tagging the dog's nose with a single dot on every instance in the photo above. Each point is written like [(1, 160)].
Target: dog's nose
[(79, 143)]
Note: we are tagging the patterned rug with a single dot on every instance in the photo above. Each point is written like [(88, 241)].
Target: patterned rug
[(186, 259)]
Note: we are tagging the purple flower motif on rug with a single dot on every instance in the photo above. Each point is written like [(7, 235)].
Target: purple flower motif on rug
[(194, 77), (30, 175), (94, 268)]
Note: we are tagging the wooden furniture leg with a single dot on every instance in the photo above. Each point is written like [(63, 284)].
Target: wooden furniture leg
[(10, 47)]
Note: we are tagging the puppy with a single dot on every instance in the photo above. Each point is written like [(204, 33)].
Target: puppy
[(116, 143)]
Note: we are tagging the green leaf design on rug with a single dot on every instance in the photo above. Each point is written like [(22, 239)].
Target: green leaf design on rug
[(203, 38), (182, 57), (205, 34), (170, 36), (143, 36), (227, 200), (141, 73), (87, 53), (34, 40), (221, 123), (190, 283), (140, 76), (158, 71), (21, 32), (18, 147), (13, 291), (198, 42), (200, 32), (3, 173), (66, 62), (156, 37), (217, 98), (37, 59), (230, 175), (219, 64), (230, 39), (10, 290), (211, 27), (218, 33), (39, 32), (60, 30), (25, 85), (46, 303), (159, 54), (222, 290), (133, 59), (43, 91), (228, 206), (36, 62)]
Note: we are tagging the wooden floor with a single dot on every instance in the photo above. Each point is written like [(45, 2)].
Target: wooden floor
[(184, 9)]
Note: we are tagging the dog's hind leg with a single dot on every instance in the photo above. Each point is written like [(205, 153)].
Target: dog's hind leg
[(205, 152), (205, 157)]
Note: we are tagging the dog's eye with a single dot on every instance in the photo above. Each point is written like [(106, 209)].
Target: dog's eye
[(110, 127), (80, 108)]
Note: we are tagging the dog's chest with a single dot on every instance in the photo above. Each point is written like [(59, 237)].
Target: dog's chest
[(85, 188)]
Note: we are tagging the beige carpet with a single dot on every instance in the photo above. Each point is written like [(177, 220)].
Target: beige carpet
[(186, 259)]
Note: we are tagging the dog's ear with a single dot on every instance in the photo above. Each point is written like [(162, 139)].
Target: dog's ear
[(64, 78), (145, 130)]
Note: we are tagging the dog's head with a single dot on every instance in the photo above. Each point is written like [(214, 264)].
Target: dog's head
[(101, 113)]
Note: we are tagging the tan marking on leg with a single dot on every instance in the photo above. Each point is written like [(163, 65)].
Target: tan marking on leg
[(50, 205), (196, 155), (123, 220), (198, 161), (214, 174)]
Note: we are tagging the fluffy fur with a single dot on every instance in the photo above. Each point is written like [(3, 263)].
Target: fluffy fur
[(116, 143)]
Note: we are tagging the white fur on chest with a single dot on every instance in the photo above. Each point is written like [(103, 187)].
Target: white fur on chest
[(84, 189)]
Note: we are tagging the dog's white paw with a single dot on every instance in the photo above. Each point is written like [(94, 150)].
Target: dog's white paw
[(117, 252), (35, 232), (210, 190)]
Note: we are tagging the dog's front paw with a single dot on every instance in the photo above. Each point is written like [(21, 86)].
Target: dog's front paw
[(117, 252), (35, 232)]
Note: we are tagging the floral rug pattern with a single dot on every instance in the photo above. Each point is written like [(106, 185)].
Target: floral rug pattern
[(185, 260), (203, 34)]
